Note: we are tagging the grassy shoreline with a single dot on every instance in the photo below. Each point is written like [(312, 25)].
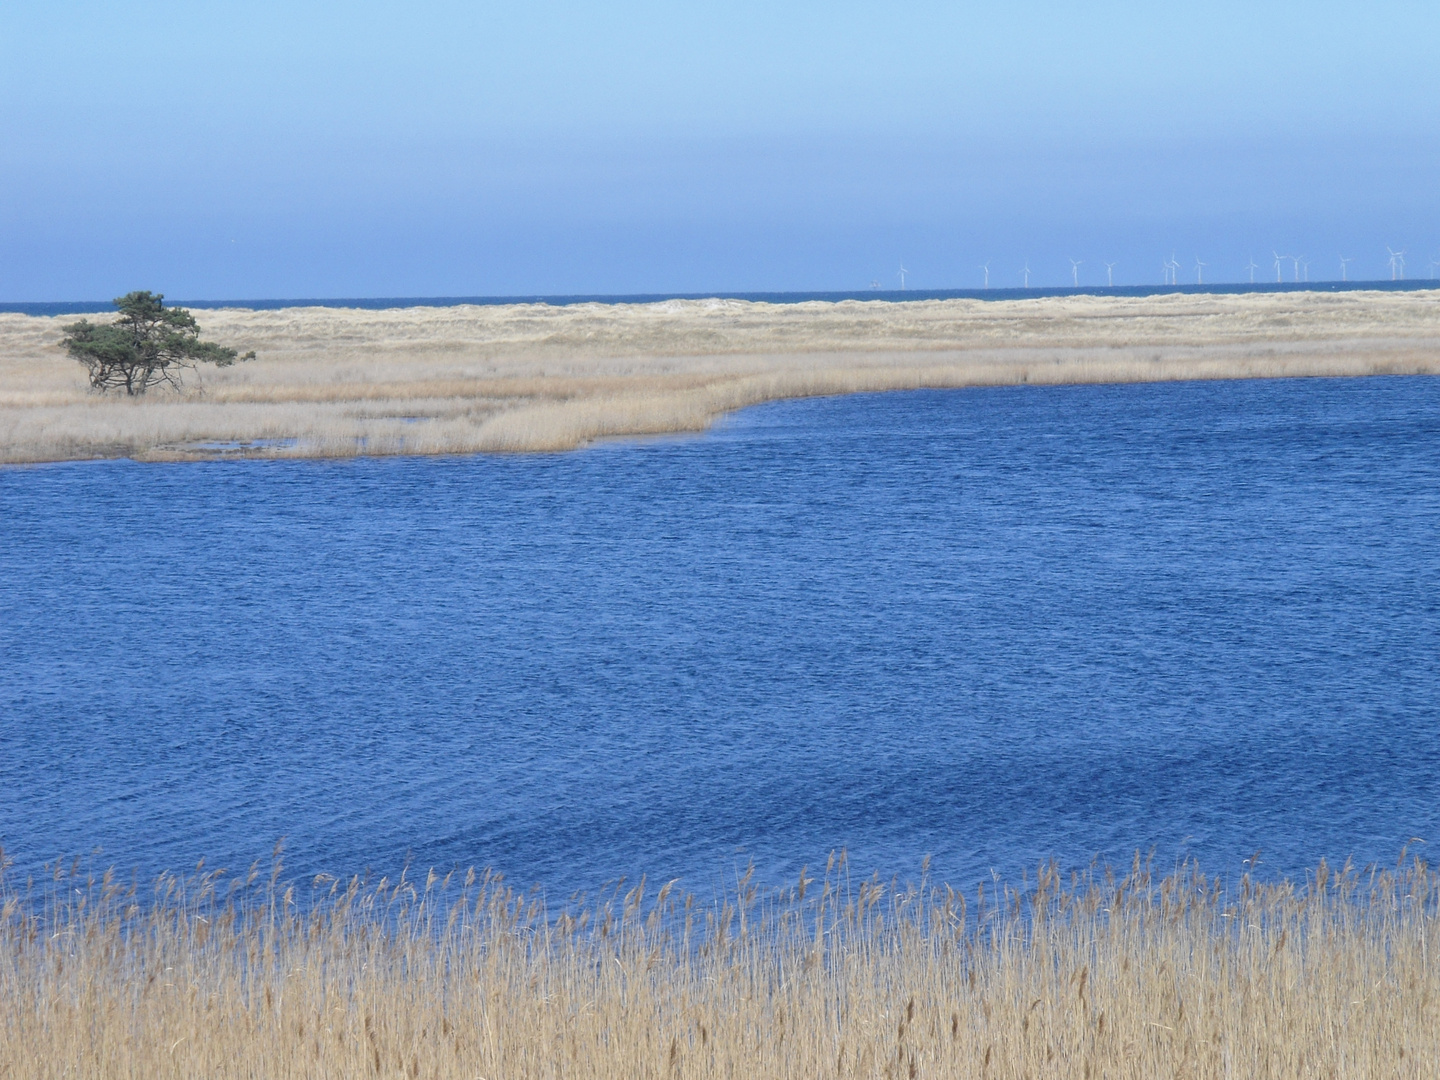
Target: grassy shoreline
[(527, 377), (463, 976)]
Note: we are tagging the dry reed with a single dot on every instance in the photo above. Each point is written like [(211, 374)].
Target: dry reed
[(332, 382), (464, 977)]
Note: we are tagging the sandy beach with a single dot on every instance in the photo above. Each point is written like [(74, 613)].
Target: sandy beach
[(529, 377)]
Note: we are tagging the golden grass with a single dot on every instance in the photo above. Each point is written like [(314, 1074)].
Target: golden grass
[(464, 978), (333, 382)]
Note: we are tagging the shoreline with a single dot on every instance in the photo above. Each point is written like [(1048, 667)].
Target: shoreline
[(335, 382), (997, 293)]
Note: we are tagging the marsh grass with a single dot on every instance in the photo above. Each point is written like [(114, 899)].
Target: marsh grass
[(464, 977), (333, 382)]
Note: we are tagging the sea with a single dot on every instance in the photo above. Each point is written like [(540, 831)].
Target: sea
[(372, 303), (989, 627)]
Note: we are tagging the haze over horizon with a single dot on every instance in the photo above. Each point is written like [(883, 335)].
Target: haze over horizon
[(441, 148)]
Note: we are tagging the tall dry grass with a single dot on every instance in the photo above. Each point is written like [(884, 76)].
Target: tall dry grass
[(465, 977), (332, 382)]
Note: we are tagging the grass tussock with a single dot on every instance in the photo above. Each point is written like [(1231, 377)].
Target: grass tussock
[(522, 377), (464, 977)]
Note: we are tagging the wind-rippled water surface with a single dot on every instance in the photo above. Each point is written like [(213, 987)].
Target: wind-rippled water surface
[(994, 626)]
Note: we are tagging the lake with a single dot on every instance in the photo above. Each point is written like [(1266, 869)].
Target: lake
[(994, 626)]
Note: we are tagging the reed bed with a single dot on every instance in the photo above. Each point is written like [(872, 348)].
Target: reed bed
[(527, 377), (465, 977)]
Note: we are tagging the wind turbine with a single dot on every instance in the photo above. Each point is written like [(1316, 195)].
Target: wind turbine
[(1295, 262), (1344, 273), (1200, 271), (1026, 272), (1174, 267), (903, 272), (1278, 257), (1306, 264), (986, 268), (1397, 265), (1252, 266), (1075, 270), (1110, 275)]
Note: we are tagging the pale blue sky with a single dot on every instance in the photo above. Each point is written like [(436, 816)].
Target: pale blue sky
[(435, 147)]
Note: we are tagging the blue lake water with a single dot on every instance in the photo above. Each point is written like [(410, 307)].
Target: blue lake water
[(993, 626)]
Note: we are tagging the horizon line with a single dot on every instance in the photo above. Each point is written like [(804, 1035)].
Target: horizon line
[(85, 307)]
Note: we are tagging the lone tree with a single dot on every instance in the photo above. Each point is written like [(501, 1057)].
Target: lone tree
[(147, 346)]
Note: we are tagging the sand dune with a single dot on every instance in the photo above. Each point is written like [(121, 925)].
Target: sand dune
[(527, 377)]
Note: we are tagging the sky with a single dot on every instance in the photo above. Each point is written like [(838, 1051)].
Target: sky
[(371, 148)]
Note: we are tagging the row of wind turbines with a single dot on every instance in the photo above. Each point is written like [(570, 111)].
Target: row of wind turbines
[(1075, 265), (1301, 265), (1170, 270)]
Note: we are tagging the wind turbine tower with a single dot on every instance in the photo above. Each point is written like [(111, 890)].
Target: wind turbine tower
[(1075, 270), (986, 268), (1110, 275), (1026, 272), (1252, 266), (903, 272), (1344, 273), (1200, 271)]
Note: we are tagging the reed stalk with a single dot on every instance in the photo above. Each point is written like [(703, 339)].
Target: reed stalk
[(463, 976)]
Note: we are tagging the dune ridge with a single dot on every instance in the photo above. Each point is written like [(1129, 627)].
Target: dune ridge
[(529, 377)]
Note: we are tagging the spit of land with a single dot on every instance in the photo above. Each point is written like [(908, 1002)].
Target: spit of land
[(334, 382)]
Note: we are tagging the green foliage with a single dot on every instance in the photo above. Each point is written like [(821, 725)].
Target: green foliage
[(148, 345)]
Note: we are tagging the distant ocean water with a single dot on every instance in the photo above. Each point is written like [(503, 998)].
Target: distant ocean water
[(89, 307), (994, 626)]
